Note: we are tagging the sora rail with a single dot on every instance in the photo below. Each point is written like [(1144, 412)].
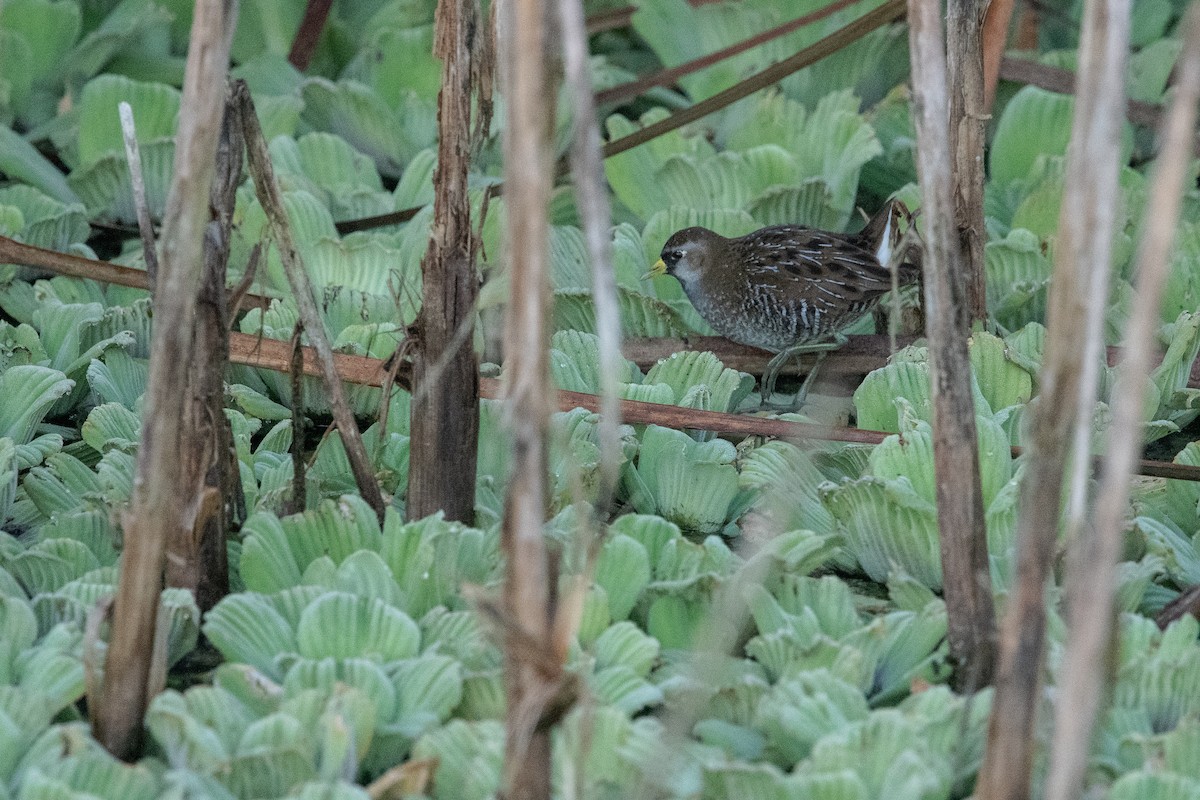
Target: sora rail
[(791, 289)]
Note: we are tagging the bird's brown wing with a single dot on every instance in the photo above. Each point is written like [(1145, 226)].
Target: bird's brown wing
[(825, 266)]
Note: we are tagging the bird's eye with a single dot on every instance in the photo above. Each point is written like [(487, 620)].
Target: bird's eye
[(672, 256)]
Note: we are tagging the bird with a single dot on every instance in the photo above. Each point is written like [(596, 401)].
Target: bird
[(791, 289)]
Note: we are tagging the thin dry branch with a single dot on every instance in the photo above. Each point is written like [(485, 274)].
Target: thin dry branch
[(1092, 566), (666, 77), (967, 580), (591, 196), (1066, 400), (308, 35), (133, 156), (159, 505), (267, 190), (271, 354)]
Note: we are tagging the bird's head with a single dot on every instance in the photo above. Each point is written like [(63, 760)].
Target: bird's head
[(687, 254)]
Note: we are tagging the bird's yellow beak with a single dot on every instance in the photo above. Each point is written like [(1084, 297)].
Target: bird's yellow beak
[(659, 268)]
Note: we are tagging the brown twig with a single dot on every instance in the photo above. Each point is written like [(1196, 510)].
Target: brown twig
[(308, 35), (669, 76), (272, 354), (267, 190), (14, 252)]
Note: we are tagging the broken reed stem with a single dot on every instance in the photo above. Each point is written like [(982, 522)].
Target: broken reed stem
[(133, 155), (529, 596), (968, 120), (444, 412), (961, 528), (1065, 403), (269, 196), (591, 196), (159, 505), (1091, 570)]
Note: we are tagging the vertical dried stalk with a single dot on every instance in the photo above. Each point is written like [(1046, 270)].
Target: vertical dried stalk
[(966, 579), (133, 155), (197, 560), (267, 190), (156, 513), (1079, 288), (1092, 568), (527, 395), (445, 406), (964, 49), (592, 199), (995, 37), (308, 36)]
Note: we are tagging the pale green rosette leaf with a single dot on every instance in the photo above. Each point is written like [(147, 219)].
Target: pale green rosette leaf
[(686, 371), (624, 644), (470, 756), (360, 116), (45, 221), (8, 477), (247, 628), (875, 398), (27, 393), (1001, 380), (886, 752), (257, 404), (1017, 275), (1159, 671), (1145, 785), (1035, 123), (20, 160), (335, 529), (111, 425), (887, 523), (801, 710), (632, 174), (155, 110), (184, 726), (575, 362), (342, 625), (93, 774), (623, 570), (574, 309), (692, 484), (103, 184)]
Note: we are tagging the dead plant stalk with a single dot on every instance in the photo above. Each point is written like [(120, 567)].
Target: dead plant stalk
[(1092, 567), (159, 507), (1067, 398)]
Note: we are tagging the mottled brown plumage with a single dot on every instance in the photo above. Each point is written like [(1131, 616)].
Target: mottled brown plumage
[(789, 285)]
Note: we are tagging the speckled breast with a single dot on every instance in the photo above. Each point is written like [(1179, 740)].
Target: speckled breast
[(759, 318)]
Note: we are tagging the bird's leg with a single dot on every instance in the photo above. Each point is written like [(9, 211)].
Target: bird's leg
[(776, 363)]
